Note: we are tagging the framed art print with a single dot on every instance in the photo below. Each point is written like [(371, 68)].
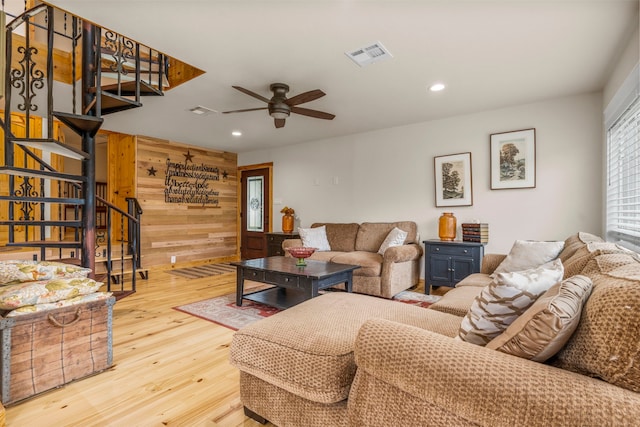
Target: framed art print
[(513, 159), (453, 180)]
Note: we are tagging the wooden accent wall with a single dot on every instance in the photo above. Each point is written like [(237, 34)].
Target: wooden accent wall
[(194, 232)]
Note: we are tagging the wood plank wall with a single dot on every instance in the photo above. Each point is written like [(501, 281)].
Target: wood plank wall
[(192, 232)]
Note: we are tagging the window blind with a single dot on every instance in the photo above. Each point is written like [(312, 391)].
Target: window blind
[(623, 178)]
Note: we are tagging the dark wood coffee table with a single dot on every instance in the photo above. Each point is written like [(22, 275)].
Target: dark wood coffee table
[(292, 284)]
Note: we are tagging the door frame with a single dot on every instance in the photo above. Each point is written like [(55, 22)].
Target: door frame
[(269, 167)]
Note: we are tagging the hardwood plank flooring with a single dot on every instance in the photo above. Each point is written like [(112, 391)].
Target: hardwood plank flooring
[(170, 368)]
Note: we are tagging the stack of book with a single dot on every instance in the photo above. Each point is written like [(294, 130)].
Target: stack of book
[(475, 232)]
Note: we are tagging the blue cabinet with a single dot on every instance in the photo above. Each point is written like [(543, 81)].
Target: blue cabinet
[(447, 263)]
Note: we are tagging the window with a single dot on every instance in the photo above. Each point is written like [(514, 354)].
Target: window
[(255, 203), (623, 175)]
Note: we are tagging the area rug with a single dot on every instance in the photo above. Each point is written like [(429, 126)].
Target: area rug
[(201, 271), (224, 311)]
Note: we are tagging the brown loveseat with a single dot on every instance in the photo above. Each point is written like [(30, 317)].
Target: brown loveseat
[(357, 244), (346, 359)]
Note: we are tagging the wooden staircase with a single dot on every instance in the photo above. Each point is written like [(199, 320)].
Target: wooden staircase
[(114, 73)]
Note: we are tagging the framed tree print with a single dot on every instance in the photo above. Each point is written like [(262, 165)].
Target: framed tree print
[(513, 159), (453, 180)]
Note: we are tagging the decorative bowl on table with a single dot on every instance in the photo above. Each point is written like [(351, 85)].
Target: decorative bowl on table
[(301, 252)]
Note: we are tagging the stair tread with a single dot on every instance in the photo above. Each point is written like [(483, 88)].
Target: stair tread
[(47, 243), (53, 146), (32, 173), (37, 223), (80, 122), (105, 259), (61, 200), (111, 103), (128, 88)]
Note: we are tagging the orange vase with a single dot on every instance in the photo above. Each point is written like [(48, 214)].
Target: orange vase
[(447, 226), (287, 223)]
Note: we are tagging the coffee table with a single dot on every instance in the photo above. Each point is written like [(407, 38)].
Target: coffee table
[(292, 284)]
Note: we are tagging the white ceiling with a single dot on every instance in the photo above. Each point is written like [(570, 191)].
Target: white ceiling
[(490, 54)]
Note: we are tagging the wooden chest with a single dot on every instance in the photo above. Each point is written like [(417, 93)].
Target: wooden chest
[(45, 350)]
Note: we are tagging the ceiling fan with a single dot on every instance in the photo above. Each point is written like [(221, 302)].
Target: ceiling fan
[(280, 107)]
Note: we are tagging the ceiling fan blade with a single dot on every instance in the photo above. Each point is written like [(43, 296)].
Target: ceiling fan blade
[(305, 97), (248, 92), (279, 123), (246, 109), (312, 113)]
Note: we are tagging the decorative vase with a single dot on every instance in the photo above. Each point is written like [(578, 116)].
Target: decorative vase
[(287, 223), (301, 252), (447, 226)]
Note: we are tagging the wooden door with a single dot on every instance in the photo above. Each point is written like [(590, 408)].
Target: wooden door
[(255, 212), (19, 129)]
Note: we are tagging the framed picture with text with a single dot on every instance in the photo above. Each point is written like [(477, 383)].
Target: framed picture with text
[(453, 180), (513, 159)]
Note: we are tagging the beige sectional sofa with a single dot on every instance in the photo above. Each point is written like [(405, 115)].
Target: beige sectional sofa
[(357, 244), (347, 359)]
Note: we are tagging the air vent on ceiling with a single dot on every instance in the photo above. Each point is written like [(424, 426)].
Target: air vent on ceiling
[(200, 110), (375, 52)]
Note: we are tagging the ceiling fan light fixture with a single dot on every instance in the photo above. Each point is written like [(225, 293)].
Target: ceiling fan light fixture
[(279, 110), (279, 114)]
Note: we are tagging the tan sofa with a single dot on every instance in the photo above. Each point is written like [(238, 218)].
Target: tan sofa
[(347, 359), (358, 244)]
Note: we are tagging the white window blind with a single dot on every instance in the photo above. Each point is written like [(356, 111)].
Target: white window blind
[(623, 178)]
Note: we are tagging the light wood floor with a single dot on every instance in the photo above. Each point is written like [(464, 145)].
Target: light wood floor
[(170, 368)]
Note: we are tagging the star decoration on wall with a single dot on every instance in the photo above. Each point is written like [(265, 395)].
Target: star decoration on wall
[(152, 171), (188, 157), (224, 174)]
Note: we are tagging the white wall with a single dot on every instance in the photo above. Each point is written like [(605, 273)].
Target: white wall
[(388, 175), (627, 60)]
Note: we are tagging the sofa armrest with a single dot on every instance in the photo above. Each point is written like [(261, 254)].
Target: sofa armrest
[(290, 243), (457, 380), (402, 253), (490, 262)]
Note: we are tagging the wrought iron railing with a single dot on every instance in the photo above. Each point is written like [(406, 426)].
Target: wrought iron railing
[(115, 71)]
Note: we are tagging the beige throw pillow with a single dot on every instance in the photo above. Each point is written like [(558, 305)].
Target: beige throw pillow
[(547, 326), (315, 238), (526, 254), (506, 298), (394, 238)]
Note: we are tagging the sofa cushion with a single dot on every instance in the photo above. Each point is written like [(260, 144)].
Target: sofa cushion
[(575, 242), (308, 349), (315, 238), (457, 301), (370, 262), (526, 254), (476, 280), (547, 326), (325, 256), (342, 237), (606, 343), (576, 262), (396, 237), (500, 303), (371, 234)]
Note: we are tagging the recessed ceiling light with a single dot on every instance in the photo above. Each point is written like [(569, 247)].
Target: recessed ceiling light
[(436, 87), (200, 110), (236, 133)]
